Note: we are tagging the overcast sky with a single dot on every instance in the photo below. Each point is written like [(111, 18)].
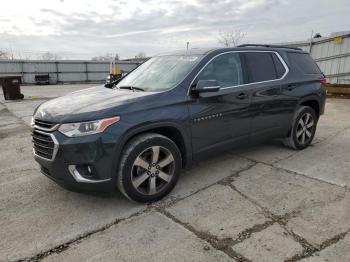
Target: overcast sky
[(81, 29)]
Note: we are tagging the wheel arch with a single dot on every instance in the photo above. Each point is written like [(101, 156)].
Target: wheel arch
[(170, 130), (313, 102)]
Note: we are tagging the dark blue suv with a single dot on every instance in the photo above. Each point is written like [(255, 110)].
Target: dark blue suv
[(137, 133)]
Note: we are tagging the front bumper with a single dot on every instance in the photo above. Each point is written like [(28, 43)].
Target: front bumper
[(71, 156)]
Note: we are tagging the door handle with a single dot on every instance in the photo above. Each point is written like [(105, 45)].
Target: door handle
[(242, 96)]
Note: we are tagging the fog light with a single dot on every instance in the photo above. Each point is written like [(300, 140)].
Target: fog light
[(88, 176), (85, 170)]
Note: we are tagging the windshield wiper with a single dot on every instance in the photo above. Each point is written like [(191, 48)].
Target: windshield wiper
[(131, 88)]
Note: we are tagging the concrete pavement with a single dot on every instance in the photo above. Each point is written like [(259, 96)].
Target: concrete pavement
[(264, 203)]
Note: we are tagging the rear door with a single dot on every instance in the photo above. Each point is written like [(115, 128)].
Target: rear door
[(306, 76), (221, 119), (265, 71)]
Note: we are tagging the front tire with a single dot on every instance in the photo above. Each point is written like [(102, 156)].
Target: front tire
[(149, 168), (303, 129)]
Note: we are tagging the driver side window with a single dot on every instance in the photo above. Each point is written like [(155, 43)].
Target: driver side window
[(226, 69)]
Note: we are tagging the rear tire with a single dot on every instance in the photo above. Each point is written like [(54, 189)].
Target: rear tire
[(149, 168), (303, 129)]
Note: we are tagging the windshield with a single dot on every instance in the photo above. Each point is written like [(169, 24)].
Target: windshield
[(160, 73)]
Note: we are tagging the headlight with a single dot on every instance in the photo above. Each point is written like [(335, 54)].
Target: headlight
[(87, 128)]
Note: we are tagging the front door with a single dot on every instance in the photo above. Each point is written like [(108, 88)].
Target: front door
[(222, 118)]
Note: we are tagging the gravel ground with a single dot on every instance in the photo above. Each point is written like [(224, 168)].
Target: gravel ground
[(263, 203)]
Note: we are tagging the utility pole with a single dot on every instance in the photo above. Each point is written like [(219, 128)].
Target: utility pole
[(312, 33)]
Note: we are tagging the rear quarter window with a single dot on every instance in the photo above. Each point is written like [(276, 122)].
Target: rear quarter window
[(280, 70), (304, 63)]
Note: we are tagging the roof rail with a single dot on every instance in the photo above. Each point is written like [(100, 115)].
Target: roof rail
[(272, 46)]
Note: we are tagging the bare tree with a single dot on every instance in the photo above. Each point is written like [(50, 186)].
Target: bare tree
[(140, 55), (50, 56), (231, 38), (106, 57), (4, 55)]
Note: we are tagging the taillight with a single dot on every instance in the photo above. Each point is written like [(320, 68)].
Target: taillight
[(323, 81)]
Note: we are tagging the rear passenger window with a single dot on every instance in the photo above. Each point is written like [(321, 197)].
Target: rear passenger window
[(263, 66), (226, 69), (304, 62)]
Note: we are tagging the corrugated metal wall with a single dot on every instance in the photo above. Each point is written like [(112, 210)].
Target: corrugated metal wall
[(332, 57), (61, 71)]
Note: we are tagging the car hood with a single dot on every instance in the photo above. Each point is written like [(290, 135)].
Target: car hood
[(89, 104)]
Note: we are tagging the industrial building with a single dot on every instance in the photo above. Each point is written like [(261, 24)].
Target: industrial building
[(62, 71), (331, 53)]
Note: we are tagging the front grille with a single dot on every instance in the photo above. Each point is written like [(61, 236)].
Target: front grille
[(44, 125), (44, 146)]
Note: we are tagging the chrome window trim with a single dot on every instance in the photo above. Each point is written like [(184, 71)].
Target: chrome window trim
[(245, 51), (55, 147)]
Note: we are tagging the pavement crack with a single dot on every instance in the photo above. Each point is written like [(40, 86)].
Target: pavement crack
[(312, 250), (308, 249), (62, 247), (305, 176), (272, 218), (248, 232), (224, 245), (225, 181), (292, 172)]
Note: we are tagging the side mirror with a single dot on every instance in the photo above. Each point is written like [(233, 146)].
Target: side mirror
[(112, 80), (205, 86)]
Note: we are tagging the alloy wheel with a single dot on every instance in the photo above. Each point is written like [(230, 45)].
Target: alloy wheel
[(305, 128), (152, 170)]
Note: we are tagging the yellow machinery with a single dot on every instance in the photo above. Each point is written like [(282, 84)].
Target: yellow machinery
[(114, 73)]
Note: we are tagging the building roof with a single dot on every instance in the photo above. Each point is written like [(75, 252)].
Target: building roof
[(318, 39)]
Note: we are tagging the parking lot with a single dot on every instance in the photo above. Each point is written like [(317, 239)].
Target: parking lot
[(263, 203)]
